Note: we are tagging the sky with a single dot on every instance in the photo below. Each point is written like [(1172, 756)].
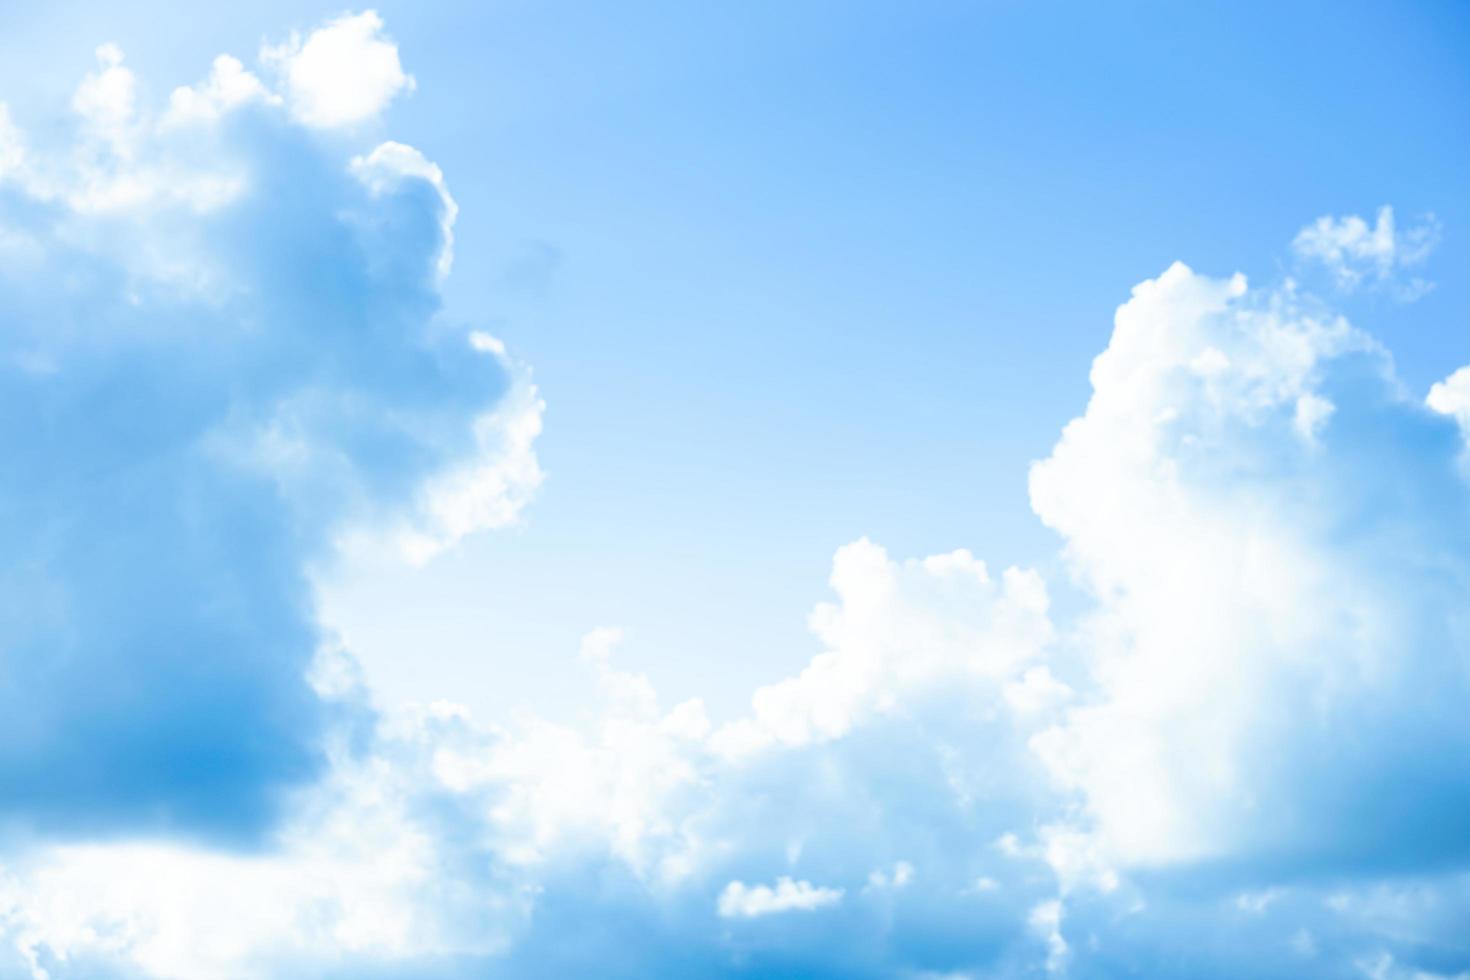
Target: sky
[(678, 490)]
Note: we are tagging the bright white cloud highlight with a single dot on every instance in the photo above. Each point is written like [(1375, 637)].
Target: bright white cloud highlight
[(1452, 397), (898, 628), (489, 490), (341, 74), (228, 87), (106, 98), (743, 901), (1265, 602)]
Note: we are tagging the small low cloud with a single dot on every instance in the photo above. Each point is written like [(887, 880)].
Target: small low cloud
[(343, 73), (223, 358), (1452, 397), (742, 901), (1357, 253)]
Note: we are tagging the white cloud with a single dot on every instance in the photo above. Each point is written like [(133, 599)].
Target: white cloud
[(359, 874), (897, 628), (342, 74), (1045, 919), (107, 98), (128, 158), (1312, 415), (1269, 535), (124, 160), (742, 901), (1452, 397), (1355, 252), (229, 86), (263, 378), (387, 166), (149, 165), (1037, 692), (491, 487), (642, 794)]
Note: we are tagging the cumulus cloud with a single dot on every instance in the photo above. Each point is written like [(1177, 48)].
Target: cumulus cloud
[(740, 900), (1355, 252), (368, 869), (341, 74), (228, 86), (448, 847), (898, 628), (1278, 639), (222, 355), (1452, 397), (224, 362)]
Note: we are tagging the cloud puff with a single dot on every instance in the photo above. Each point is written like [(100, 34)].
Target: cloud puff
[(1279, 638), (1355, 252), (1452, 397), (369, 868), (740, 900), (221, 356), (451, 849), (341, 74), (228, 86), (223, 362), (447, 848), (898, 628)]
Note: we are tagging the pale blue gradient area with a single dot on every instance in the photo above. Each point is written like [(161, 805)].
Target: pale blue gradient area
[(793, 273)]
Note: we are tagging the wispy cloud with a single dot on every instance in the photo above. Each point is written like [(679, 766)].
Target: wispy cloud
[(1356, 253)]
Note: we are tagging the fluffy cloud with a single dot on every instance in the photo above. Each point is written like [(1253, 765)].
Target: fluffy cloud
[(341, 74), (1452, 397), (228, 87), (442, 847), (221, 356), (898, 628), (1355, 252), (223, 363), (1279, 638), (370, 867), (740, 900)]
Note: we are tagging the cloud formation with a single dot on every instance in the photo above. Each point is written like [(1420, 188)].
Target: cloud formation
[(740, 900), (223, 362), (1356, 253), (341, 74), (1278, 639), (221, 354)]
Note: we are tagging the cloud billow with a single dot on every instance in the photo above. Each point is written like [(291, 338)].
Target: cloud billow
[(1279, 541), (223, 362), (198, 396)]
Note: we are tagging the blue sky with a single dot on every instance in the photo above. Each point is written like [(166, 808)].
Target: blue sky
[(541, 357), (792, 265)]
